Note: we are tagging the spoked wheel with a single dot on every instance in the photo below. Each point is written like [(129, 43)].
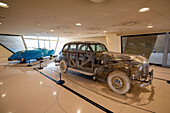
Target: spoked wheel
[(63, 66), (118, 82)]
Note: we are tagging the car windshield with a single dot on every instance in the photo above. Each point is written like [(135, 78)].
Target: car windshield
[(98, 47)]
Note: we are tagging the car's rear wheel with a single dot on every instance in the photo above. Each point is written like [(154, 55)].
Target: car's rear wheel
[(23, 60), (118, 82), (63, 66)]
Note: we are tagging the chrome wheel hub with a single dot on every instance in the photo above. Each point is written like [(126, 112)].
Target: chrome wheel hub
[(62, 66), (117, 82)]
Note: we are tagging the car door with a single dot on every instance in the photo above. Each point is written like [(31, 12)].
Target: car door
[(85, 58), (72, 53)]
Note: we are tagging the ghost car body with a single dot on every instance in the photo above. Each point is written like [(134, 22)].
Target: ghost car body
[(25, 55)]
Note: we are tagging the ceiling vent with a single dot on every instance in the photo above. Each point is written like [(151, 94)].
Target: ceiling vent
[(93, 28), (129, 23), (98, 1), (62, 27), (67, 33)]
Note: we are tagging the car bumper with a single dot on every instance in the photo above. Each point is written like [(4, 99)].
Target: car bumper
[(148, 81)]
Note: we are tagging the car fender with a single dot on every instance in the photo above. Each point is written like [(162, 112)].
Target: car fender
[(104, 70)]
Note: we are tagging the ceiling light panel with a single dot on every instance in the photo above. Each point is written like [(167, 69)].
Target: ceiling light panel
[(78, 24), (150, 26), (145, 9), (4, 5)]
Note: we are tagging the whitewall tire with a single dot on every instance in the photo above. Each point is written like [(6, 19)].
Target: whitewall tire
[(63, 66), (118, 82)]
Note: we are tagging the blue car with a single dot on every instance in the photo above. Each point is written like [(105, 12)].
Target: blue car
[(37, 54)]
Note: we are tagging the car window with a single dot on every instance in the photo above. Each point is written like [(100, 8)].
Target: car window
[(65, 48), (93, 47), (82, 47), (79, 46), (100, 47), (72, 48), (88, 49)]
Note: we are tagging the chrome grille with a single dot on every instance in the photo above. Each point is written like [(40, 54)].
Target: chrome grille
[(145, 69)]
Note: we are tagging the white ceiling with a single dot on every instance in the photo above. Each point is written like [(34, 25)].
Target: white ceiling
[(33, 17)]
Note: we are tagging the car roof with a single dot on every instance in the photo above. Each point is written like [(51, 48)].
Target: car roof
[(84, 42)]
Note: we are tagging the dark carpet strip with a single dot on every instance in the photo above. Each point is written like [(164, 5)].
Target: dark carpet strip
[(162, 79)]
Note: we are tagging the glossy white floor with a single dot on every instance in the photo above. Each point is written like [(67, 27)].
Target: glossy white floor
[(24, 90)]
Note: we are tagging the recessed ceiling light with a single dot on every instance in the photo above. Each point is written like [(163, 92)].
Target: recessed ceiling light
[(145, 9), (3, 95), (52, 30), (38, 23), (78, 24), (41, 82), (4, 5), (150, 26), (54, 93), (0, 23), (1, 83), (51, 17)]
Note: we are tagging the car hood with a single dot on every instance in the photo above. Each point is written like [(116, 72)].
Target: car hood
[(125, 57)]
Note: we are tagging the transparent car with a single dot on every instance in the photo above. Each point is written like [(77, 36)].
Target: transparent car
[(94, 59)]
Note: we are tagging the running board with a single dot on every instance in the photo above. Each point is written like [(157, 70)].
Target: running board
[(80, 71)]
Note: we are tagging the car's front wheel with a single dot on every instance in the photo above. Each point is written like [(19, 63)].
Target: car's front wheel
[(39, 58), (118, 82), (63, 66)]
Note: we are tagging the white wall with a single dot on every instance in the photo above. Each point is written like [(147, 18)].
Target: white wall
[(62, 41), (113, 42), (4, 53)]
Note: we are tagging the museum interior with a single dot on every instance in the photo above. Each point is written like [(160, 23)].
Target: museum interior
[(84, 56)]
